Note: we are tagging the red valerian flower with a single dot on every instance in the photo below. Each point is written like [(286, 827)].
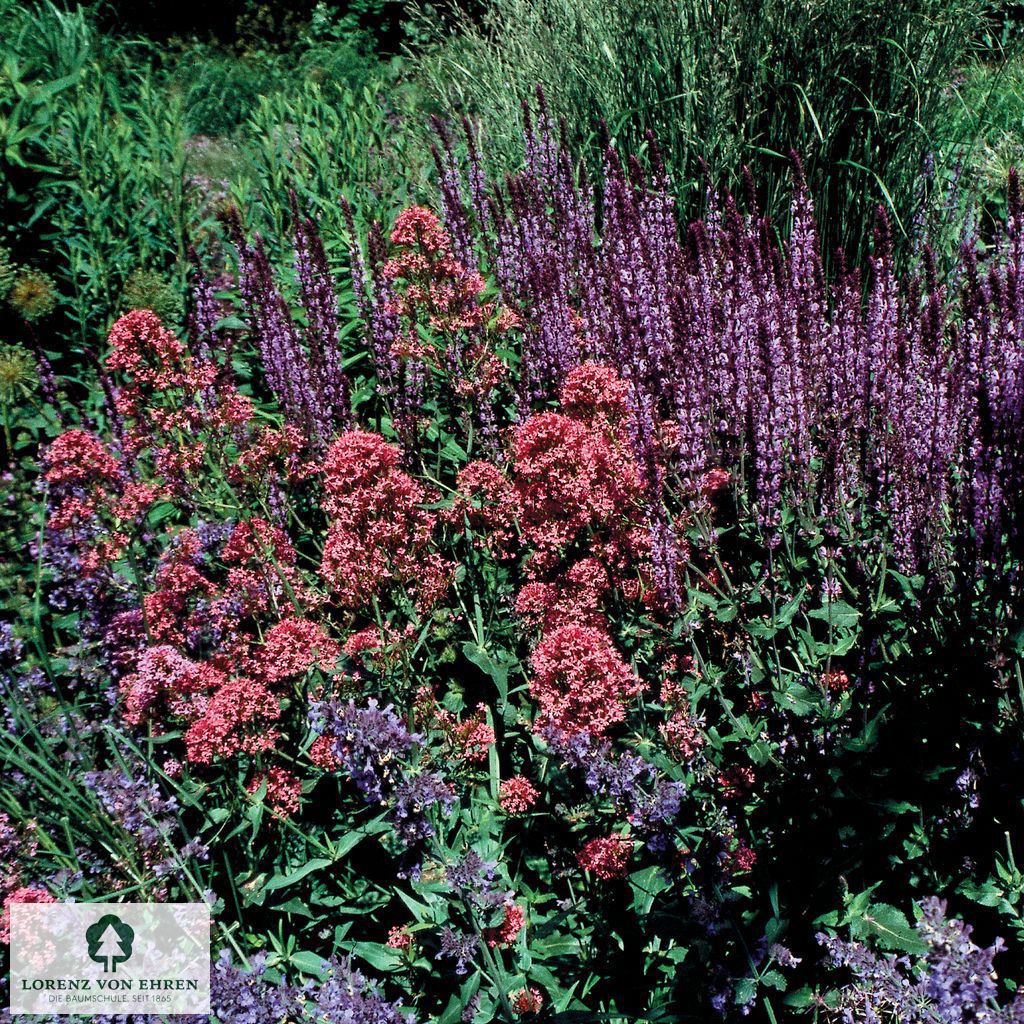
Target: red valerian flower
[(418, 226), (682, 734), (159, 394), (468, 739), (739, 860), (682, 731), (179, 408), (142, 346), (180, 586), (527, 1001), (576, 483), (78, 457), (736, 781), (381, 647), (93, 501), (574, 596), (836, 681), (486, 502), (713, 481), (400, 939), (26, 894), (606, 858), (508, 931), (166, 682), (293, 646), (379, 531), (235, 720), (517, 795), (134, 502), (580, 682), (321, 753), (256, 540), (593, 390), (473, 737), (283, 789)]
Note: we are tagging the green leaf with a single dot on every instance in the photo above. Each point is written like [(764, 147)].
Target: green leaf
[(646, 885), (494, 665), (230, 323), (376, 954), (889, 928), (838, 613), (280, 881), (308, 962)]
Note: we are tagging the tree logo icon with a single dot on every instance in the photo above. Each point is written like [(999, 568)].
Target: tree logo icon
[(110, 942)]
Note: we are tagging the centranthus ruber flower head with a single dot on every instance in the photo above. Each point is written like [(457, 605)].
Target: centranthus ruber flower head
[(607, 857), (517, 795), (508, 931), (379, 533), (293, 646), (595, 391), (283, 789), (418, 226), (527, 1001), (235, 720), (580, 682), (486, 502), (25, 894), (78, 457)]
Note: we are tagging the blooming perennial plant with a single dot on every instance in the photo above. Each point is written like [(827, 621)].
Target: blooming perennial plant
[(523, 662)]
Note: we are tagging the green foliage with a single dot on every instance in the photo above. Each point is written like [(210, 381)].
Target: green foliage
[(221, 90), (326, 141), (147, 289), (991, 108), (93, 126), (115, 150)]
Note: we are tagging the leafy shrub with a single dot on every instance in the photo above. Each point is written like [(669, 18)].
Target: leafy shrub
[(223, 90)]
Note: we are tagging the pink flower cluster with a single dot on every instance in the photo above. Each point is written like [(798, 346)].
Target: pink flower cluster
[(468, 739), (399, 938), (517, 795), (93, 502), (526, 1001), (184, 411), (283, 789), (234, 720), (379, 534), (78, 457), (681, 731), (736, 781), (576, 476), (487, 504), (574, 597), (295, 645), (471, 738), (508, 931), (580, 682), (429, 287), (225, 701), (152, 362), (606, 858), (24, 894)]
